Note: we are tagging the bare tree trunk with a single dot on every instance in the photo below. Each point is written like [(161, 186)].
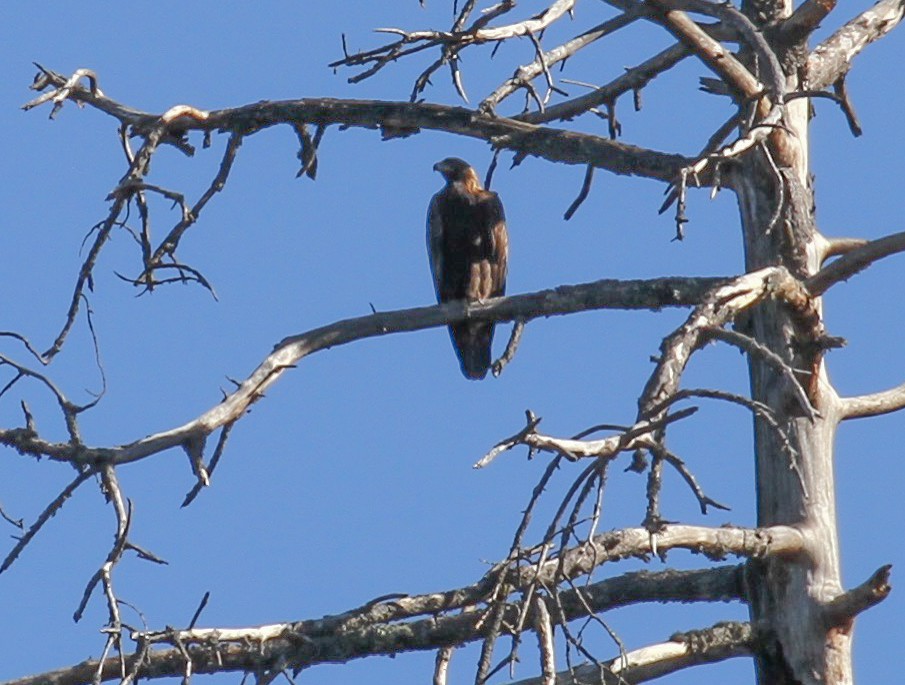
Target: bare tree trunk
[(794, 486)]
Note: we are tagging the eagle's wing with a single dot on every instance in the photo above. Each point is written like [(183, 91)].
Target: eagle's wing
[(488, 274), (435, 242), (499, 241)]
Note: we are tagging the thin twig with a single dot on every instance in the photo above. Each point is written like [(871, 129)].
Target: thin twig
[(582, 194)]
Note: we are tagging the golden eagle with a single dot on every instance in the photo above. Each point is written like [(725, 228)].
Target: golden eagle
[(468, 248)]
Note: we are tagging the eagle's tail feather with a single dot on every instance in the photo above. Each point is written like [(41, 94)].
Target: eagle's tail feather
[(472, 341)]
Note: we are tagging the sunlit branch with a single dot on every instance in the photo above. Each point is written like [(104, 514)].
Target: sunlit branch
[(874, 404), (855, 259), (604, 294), (475, 35), (715, 543), (871, 592), (684, 650), (834, 247), (832, 59), (368, 631)]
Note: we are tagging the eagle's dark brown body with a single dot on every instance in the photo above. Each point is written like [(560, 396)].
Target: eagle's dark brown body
[(468, 247)]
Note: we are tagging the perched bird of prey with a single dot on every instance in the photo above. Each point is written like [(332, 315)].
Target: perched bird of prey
[(468, 248)]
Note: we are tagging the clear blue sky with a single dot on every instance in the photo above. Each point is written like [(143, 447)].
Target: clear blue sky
[(353, 478)]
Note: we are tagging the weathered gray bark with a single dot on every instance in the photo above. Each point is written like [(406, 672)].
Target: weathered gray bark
[(787, 597)]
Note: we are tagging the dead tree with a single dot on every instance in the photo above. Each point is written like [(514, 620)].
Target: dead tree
[(801, 616)]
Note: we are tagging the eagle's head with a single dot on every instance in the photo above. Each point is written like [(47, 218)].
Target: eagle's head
[(454, 169)]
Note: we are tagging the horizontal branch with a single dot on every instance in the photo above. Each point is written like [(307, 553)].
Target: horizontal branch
[(857, 255), (715, 543), (873, 404), (368, 632), (832, 59), (603, 294), (721, 641), (853, 261), (397, 119), (720, 584)]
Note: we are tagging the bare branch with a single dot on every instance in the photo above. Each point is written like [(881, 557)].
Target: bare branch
[(69, 409), (832, 59), (711, 52), (853, 261), (703, 500), (632, 80), (168, 245), (308, 150), (715, 543), (840, 97), (473, 36), (363, 632), (751, 346), (537, 23), (847, 107), (605, 294), (722, 306), (627, 440), (871, 592), (759, 409), (63, 92), (18, 523), (553, 144), (135, 174), (104, 573), (209, 469), (875, 404), (582, 194), (527, 73), (543, 626), (804, 20), (49, 511), (26, 343), (684, 650), (441, 666), (834, 247), (451, 42)]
